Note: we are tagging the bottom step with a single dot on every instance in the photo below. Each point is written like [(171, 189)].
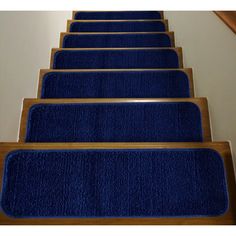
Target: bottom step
[(123, 183)]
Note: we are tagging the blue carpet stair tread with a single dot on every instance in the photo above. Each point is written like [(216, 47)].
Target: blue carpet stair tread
[(116, 40), (117, 15), (116, 59), (118, 26), (114, 183), (125, 84), (114, 122)]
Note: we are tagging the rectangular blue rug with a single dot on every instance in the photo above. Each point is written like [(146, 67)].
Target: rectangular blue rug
[(114, 183), (118, 84), (115, 122), (117, 15), (116, 59), (118, 26), (116, 40)]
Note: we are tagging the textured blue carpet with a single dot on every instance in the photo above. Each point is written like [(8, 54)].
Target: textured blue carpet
[(131, 26), (125, 84), (114, 122), (116, 40), (114, 183), (117, 15), (115, 59)]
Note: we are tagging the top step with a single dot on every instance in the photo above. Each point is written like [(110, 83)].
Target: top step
[(116, 15)]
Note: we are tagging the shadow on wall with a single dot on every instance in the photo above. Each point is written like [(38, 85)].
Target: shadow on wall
[(25, 44)]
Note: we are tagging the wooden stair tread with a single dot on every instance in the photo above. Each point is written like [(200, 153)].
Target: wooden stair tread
[(178, 51), (200, 102), (64, 34), (70, 22), (78, 11), (222, 148), (44, 72)]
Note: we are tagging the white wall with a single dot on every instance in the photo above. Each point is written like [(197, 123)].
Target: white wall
[(26, 39), (209, 47)]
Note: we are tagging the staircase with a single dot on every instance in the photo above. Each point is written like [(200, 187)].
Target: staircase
[(116, 135)]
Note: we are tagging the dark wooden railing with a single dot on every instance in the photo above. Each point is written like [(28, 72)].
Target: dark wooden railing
[(229, 18)]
